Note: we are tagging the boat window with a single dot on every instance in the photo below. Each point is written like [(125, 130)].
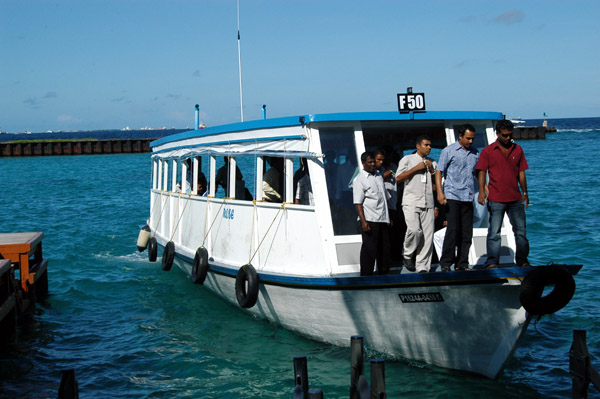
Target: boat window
[(302, 192), (402, 139), (244, 186), (154, 174), (273, 180), (173, 175), (341, 166), (300, 168), (199, 186), (167, 176), (222, 178), (480, 135)]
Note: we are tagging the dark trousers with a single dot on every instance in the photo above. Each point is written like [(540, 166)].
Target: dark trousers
[(375, 246), (397, 232), (459, 233)]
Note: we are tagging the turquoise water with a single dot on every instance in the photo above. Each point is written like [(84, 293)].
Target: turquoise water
[(131, 330)]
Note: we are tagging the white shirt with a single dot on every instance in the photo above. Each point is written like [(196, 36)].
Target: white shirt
[(417, 188), (369, 191)]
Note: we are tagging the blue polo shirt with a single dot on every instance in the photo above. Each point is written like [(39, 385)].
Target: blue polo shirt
[(458, 167)]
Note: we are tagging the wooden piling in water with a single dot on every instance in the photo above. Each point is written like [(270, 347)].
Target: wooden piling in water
[(8, 310), (378, 378), (69, 387), (357, 367), (301, 373), (359, 387), (580, 368)]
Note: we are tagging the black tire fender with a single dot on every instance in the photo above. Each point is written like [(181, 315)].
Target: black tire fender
[(152, 249), (532, 289), (200, 267), (246, 297), (168, 256)]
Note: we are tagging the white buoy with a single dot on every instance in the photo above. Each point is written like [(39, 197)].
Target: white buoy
[(143, 237)]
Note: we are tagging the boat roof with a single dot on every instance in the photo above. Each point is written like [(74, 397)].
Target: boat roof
[(301, 120)]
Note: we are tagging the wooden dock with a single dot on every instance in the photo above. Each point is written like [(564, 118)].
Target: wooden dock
[(23, 278), (74, 147)]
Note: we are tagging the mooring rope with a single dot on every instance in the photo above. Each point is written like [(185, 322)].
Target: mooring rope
[(160, 215), (267, 232), (182, 212), (252, 231), (214, 220)]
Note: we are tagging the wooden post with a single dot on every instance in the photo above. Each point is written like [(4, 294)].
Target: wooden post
[(315, 393), (580, 368), (301, 373), (579, 361), (8, 311), (378, 379), (357, 367), (69, 388)]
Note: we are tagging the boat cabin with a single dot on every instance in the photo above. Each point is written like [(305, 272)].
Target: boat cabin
[(232, 189)]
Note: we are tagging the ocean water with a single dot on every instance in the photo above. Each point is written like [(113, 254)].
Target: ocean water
[(131, 330)]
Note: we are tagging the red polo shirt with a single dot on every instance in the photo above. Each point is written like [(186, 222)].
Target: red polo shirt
[(503, 171)]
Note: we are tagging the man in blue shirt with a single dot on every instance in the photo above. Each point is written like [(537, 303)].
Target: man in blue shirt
[(457, 163)]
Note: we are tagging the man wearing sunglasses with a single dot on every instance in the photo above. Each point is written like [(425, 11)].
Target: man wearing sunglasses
[(505, 163)]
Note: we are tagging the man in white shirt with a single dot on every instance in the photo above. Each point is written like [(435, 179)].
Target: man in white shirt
[(371, 205)]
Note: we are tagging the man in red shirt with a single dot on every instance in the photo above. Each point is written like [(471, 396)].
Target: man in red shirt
[(506, 164)]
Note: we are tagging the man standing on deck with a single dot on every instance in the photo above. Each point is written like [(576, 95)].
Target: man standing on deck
[(416, 171), (457, 163), (371, 205), (506, 164)]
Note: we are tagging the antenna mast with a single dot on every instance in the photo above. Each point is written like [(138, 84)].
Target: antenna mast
[(240, 61)]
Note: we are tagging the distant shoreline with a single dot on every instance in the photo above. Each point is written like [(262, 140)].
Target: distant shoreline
[(89, 135)]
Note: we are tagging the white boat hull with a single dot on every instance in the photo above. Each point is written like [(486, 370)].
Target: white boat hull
[(469, 327)]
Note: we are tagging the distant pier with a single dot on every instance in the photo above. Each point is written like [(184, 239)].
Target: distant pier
[(531, 132), (74, 147)]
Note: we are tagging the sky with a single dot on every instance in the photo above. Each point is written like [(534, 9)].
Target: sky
[(92, 64)]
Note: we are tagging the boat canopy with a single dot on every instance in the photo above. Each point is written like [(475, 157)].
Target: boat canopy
[(287, 135)]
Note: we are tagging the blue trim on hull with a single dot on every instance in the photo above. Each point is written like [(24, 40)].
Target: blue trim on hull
[(393, 280)]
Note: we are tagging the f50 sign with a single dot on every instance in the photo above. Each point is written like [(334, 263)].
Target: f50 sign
[(411, 102)]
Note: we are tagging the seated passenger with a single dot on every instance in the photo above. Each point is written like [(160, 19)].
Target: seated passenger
[(273, 181), (304, 194), (299, 174), (202, 185), (222, 179)]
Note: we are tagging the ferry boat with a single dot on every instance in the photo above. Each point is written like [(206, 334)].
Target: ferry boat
[(298, 264)]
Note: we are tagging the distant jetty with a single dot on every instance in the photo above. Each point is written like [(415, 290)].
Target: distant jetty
[(74, 147), (80, 143), (532, 132)]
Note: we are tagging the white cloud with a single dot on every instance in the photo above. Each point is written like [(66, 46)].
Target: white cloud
[(510, 17), (67, 118)]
